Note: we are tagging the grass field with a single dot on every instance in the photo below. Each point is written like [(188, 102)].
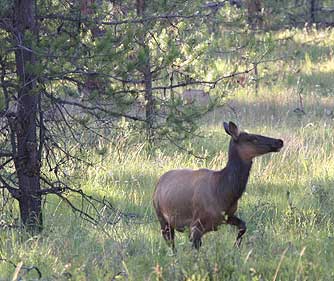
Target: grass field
[(288, 205)]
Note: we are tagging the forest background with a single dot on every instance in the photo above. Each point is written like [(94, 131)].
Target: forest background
[(99, 98)]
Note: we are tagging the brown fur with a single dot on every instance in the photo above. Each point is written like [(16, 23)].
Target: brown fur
[(203, 199), (197, 97), (254, 10)]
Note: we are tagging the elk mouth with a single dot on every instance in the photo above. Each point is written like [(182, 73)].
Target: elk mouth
[(277, 145)]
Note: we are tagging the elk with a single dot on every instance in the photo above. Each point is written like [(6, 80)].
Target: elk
[(197, 97), (254, 10), (203, 199)]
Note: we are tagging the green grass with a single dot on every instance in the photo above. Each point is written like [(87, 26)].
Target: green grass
[(288, 204)]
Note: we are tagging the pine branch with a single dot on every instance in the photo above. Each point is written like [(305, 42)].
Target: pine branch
[(138, 20), (92, 109), (12, 190)]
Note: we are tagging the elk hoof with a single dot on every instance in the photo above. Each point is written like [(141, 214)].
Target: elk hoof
[(197, 244), (237, 243), (239, 238)]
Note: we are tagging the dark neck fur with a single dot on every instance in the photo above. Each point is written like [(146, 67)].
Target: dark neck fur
[(236, 172)]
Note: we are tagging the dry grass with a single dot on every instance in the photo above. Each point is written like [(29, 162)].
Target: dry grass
[(288, 205)]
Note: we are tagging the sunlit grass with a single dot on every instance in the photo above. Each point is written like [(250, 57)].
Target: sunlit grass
[(288, 204)]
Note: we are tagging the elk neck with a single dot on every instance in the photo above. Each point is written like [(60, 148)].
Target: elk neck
[(234, 176)]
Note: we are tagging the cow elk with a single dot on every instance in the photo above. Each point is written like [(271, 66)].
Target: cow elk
[(196, 97), (203, 199)]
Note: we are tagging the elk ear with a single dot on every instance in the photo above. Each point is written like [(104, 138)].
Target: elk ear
[(226, 128), (232, 130)]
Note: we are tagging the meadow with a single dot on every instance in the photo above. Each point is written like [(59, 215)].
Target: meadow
[(288, 204)]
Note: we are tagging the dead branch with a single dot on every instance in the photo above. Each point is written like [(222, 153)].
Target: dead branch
[(139, 20), (99, 206), (12, 190), (6, 162), (26, 268), (6, 154), (92, 109)]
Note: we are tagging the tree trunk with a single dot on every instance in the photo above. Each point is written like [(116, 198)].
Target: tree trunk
[(146, 70), (149, 102), (254, 8), (313, 6), (88, 11), (27, 162)]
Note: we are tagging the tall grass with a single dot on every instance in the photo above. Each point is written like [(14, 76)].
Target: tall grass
[(288, 204)]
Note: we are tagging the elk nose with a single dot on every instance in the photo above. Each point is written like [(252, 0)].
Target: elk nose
[(279, 143)]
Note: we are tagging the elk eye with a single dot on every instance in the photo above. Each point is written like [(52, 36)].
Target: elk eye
[(255, 140)]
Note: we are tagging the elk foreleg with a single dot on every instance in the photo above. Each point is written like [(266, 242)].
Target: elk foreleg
[(233, 220)]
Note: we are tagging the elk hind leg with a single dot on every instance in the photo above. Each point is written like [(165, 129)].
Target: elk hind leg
[(196, 234), (168, 233)]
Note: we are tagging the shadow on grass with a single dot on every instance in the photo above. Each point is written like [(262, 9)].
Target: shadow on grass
[(275, 229), (126, 198), (274, 224)]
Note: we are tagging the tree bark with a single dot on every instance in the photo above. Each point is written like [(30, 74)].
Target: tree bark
[(313, 6), (146, 70), (254, 8), (149, 101), (27, 162)]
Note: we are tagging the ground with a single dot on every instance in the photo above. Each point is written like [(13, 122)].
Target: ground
[(288, 204)]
